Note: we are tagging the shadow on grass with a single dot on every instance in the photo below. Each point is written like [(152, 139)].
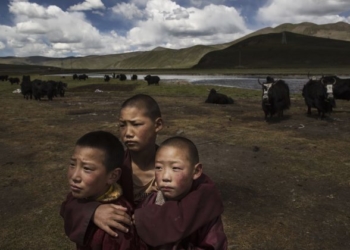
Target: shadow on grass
[(105, 87), (275, 119)]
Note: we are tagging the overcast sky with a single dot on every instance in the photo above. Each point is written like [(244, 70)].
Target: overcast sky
[(61, 28)]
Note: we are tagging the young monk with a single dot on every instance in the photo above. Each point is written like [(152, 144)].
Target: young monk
[(140, 121), (177, 166), (95, 168)]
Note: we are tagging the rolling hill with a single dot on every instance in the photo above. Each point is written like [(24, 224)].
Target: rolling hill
[(279, 50), (263, 48)]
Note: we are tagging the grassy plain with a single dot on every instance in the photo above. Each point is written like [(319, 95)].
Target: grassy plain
[(285, 183)]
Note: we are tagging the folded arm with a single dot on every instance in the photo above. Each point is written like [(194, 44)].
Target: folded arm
[(211, 236)]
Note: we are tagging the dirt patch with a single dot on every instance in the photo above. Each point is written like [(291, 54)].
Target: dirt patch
[(285, 183)]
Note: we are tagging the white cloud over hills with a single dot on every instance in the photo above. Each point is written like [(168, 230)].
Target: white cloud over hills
[(49, 30)]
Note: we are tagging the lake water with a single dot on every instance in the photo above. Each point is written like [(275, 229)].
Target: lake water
[(295, 84)]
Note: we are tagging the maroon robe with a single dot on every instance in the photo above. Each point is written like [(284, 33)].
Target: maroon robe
[(210, 236), (197, 215), (185, 217), (77, 214), (97, 239)]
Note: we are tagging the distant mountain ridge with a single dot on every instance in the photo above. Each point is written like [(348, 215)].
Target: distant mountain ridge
[(163, 58), (279, 50), (337, 31)]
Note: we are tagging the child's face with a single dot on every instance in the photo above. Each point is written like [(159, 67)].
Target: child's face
[(87, 175), (137, 130), (174, 172)]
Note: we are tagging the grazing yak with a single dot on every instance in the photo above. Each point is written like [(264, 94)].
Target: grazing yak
[(152, 79), (275, 97), (134, 77), (122, 77), (4, 77), (107, 78), (83, 77), (218, 98), (341, 86), (26, 87), (60, 88), (47, 88), (14, 80), (39, 88), (319, 94)]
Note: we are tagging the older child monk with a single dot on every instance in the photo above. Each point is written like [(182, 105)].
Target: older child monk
[(92, 175), (140, 121), (177, 166)]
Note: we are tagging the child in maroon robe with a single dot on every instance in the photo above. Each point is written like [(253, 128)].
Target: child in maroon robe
[(140, 121), (93, 173), (177, 166)]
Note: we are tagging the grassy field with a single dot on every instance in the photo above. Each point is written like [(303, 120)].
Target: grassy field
[(285, 183)]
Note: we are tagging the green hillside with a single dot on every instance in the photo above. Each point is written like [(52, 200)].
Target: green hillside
[(89, 62), (268, 51), (167, 58), (315, 45)]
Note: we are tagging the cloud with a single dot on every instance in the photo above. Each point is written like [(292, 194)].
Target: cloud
[(285, 11), (2, 45), (87, 5), (128, 10), (176, 14), (203, 3), (51, 31), (32, 10), (173, 26)]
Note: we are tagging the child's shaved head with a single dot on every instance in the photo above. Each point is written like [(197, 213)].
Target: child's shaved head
[(144, 102), (108, 143), (184, 144)]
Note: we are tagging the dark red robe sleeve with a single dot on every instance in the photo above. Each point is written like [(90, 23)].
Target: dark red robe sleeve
[(77, 215), (175, 220), (210, 236), (97, 239)]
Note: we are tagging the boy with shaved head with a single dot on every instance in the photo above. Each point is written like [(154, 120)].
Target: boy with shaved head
[(93, 173), (177, 166)]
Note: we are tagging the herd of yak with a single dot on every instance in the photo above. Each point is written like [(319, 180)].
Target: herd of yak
[(318, 93), (37, 88), (122, 77)]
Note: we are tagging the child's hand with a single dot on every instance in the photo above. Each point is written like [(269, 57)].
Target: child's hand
[(133, 219), (109, 217)]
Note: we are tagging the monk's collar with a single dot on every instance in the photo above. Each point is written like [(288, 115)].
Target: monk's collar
[(113, 193)]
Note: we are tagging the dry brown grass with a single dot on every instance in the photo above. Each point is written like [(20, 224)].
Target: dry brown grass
[(285, 183)]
